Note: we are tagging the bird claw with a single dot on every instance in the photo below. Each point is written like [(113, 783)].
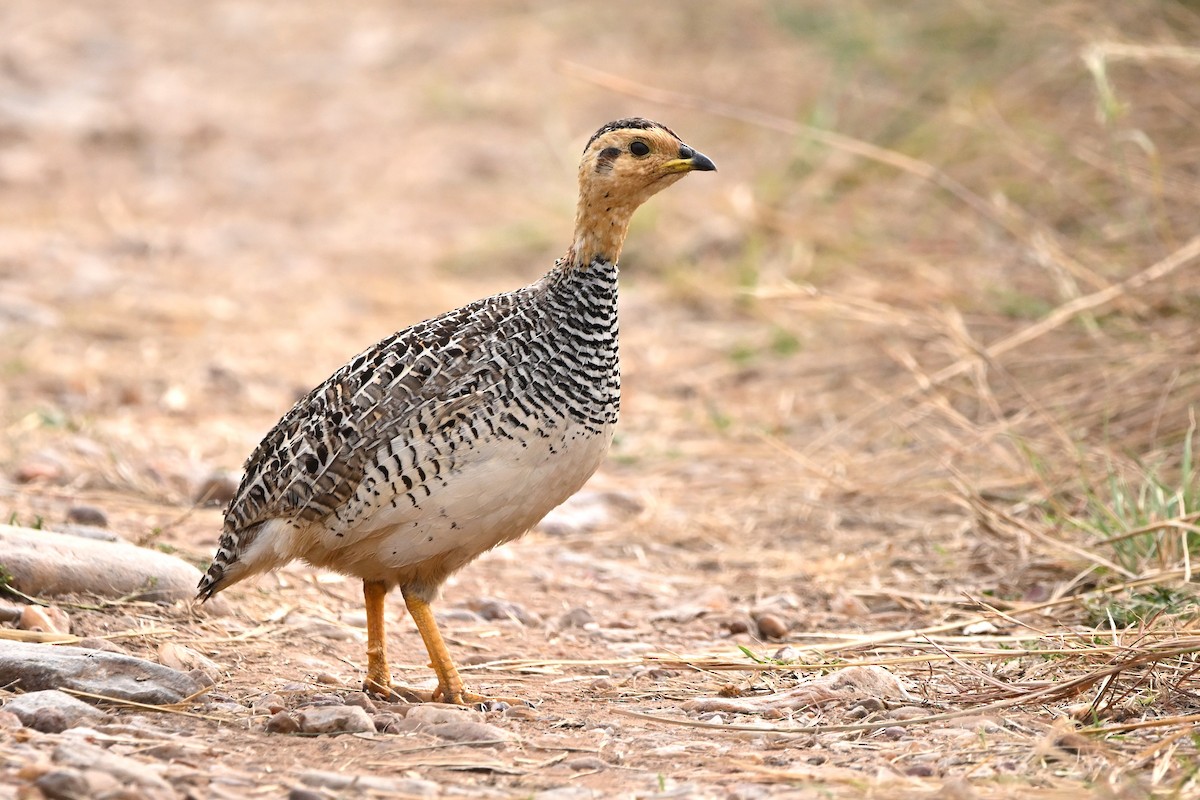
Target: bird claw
[(406, 694)]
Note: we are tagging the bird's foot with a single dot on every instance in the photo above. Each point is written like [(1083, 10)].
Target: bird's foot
[(461, 697)]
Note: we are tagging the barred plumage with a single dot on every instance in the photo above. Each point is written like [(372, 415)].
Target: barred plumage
[(458, 434)]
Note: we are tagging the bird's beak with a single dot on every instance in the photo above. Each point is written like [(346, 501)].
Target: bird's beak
[(690, 161)]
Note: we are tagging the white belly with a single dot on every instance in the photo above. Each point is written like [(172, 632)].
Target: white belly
[(496, 493)]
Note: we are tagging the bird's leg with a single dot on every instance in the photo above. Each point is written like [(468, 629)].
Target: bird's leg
[(379, 677), (450, 686)]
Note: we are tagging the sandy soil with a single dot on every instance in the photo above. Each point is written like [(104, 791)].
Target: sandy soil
[(206, 210)]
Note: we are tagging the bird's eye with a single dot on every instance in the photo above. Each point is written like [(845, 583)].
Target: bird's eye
[(639, 149)]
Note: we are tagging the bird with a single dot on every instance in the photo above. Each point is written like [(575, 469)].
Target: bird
[(458, 434)]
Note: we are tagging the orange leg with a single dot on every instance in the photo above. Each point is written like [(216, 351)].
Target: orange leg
[(379, 677), (450, 685)]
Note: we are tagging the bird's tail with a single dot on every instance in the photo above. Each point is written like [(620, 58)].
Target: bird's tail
[(215, 578)]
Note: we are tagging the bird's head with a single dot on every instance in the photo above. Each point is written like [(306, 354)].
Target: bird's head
[(624, 164)]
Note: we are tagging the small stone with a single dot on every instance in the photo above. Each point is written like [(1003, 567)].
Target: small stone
[(306, 794), (39, 470), (577, 617), (271, 703), (892, 732), (282, 722), (770, 626), (586, 763), (492, 609), (388, 722), (907, 712), (63, 784), (45, 619), (9, 721), (920, 771), (87, 515), (52, 711), (467, 732), (217, 489), (361, 700), (334, 719), (437, 713), (740, 624), (10, 613), (185, 659)]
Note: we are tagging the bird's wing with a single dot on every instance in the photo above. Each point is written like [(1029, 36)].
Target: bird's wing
[(314, 459)]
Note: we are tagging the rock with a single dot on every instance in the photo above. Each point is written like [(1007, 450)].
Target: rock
[(577, 617), (468, 732), (87, 515), (588, 511), (34, 667), (361, 700), (53, 711), (45, 619), (9, 721), (40, 469), (63, 784), (590, 763), (296, 793), (771, 626), (10, 613), (438, 713), (185, 659), (334, 719), (388, 722), (282, 722), (217, 489), (415, 788), (84, 756), (43, 563), (492, 609)]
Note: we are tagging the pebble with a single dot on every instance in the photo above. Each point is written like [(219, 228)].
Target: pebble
[(297, 793), (334, 719), (34, 667), (217, 489), (185, 659), (46, 619), (467, 732), (80, 755), (588, 511), (492, 609), (9, 721), (771, 626), (87, 515), (52, 711), (361, 700), (40, 470), (415, 788), (282, 722), (388, 722), (577, 617), (437, 713), (740, 624), (63, 784), (586, 763)]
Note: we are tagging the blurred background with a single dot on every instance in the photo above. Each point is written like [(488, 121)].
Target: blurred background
[(905, 336)]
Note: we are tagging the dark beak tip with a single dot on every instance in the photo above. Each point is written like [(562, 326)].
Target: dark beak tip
[(702, 163)]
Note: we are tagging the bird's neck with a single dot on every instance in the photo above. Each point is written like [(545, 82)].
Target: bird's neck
[(601, 224)]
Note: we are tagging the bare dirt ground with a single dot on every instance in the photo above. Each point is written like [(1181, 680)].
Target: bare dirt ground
[(908, 383)]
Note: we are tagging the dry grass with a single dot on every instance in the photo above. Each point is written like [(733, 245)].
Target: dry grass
[(923, 356)]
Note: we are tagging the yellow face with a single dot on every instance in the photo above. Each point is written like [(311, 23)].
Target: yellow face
[(629, 160)]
